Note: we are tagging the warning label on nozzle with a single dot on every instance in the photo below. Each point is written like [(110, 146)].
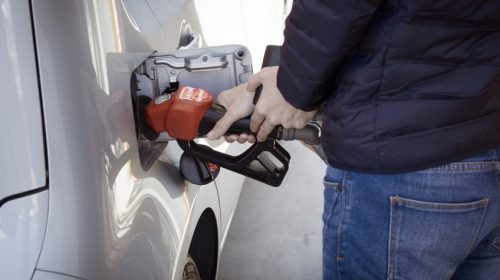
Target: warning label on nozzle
[(194, 94), (162, 99)]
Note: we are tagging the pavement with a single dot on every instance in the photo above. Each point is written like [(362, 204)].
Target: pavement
[(276, 232)]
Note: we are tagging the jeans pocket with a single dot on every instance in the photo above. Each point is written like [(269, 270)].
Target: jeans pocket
[(428, 240)]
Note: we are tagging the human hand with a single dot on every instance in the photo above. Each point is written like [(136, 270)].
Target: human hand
[(239, 104), (272, 109)]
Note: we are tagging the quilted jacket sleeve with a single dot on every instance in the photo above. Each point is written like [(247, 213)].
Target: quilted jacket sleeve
[(319, 35)]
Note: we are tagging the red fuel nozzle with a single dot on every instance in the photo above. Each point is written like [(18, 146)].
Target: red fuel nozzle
[(180, 113)]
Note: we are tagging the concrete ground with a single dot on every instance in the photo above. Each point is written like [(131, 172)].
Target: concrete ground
[(276, 232)]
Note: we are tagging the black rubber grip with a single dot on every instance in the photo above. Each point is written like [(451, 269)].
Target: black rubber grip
[(271, 58), (309, 134)]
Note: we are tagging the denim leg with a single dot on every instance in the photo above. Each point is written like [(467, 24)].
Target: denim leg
[(420, 225)]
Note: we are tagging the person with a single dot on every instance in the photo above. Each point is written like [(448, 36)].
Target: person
[(412, 94)]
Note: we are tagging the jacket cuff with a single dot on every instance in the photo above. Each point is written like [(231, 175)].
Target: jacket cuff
[(293, 88)]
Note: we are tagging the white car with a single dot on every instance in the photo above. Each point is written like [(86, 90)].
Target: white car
[(75, 201)]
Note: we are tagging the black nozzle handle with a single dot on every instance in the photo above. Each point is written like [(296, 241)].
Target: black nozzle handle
[(271, 58), (309, 134), (270, 172)]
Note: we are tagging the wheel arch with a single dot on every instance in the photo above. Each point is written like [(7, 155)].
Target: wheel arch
[(204, 247)]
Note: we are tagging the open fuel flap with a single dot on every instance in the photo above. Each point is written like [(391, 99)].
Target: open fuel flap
[(173, 96), (214, 69)]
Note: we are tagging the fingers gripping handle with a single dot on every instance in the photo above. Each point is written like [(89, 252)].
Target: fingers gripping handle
[(271, 58), (310, 134)]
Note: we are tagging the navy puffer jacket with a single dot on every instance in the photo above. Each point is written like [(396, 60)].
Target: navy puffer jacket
[(409, 84)]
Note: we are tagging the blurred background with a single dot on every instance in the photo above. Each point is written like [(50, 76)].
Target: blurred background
[(258, 23)]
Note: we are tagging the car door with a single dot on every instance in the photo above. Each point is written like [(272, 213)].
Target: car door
[(109, 217), (23, 169)]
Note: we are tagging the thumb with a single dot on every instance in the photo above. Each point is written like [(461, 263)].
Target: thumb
[(222, 126)]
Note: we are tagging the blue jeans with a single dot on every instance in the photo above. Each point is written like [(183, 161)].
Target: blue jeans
[(439, 223)]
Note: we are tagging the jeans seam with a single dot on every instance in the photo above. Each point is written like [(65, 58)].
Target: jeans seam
[(393, 220), (332, 185), (498, 177), (470, 166), (338, 188), (441, 207), (340, 230)]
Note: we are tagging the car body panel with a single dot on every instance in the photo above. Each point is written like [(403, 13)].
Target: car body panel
[(22, 230), (22, 164), (108, 218), (48, 275)]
